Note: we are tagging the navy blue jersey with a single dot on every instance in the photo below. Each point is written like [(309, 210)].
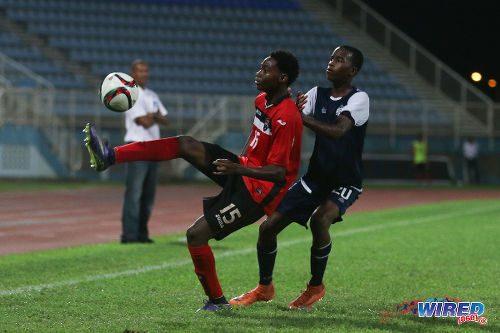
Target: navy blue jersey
[(337, 162)]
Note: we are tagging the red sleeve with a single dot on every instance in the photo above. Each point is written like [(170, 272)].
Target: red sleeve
[(283, 135)]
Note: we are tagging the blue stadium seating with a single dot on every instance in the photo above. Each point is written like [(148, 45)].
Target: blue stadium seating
[(198, 46), (33, 59)]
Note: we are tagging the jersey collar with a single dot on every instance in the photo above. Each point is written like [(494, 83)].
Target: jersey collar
[(281, 99)]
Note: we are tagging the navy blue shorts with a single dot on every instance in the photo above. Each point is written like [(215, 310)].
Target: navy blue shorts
[(303, 198)]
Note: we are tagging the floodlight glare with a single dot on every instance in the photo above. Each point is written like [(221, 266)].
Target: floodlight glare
[(476, 77)]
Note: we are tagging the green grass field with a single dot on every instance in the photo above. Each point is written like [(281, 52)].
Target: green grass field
[(22, 185), (379, 260)]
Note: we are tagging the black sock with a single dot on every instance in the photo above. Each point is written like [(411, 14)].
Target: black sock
[(220, 300), (266, 258), (319, 258)]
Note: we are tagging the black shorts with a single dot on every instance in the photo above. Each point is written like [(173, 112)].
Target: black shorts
[(421, 167), (303, 198), (214, 152), (233, 208)]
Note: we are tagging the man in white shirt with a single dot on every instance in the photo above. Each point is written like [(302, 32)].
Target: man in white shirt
[(141, 123), (471, 152)]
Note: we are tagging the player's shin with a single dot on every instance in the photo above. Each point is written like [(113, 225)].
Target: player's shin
[(154, 150), (266, 258), (319, 259), (204, 267)]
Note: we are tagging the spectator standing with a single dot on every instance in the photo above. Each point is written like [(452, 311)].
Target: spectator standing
[(470, 150), (420, 162), (142, 124)]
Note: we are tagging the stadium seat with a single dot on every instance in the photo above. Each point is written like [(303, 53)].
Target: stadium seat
[(205, 46)]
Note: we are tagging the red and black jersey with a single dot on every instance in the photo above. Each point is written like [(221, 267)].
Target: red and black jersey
[(276, 139)]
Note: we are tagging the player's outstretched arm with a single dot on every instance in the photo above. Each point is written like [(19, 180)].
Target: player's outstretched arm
[(270, 172), (335, 130)]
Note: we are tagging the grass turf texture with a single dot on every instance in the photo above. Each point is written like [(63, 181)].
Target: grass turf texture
[(23, 185), (379, 260)]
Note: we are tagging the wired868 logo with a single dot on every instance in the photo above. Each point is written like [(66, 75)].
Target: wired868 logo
[(440, 307)]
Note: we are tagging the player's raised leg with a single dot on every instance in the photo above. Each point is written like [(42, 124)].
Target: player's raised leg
[(102, 156), (266, 255)]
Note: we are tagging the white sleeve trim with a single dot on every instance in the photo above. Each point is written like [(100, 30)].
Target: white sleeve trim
[(311, 101), (359, 107)]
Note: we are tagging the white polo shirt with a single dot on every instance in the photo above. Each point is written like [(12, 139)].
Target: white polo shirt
[(470, 150), (148, 102)]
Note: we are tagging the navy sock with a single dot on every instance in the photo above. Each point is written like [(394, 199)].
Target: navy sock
[(319, 259), (266, 259)]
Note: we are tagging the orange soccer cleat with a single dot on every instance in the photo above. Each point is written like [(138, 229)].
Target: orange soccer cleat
[(263, 293), (308, 298)]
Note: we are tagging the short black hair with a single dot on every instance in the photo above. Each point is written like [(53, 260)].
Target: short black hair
[(136, 62), (287, 63), (355, 56)]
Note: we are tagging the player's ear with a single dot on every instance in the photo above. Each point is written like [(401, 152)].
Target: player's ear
[(354, 70), (283, 78)]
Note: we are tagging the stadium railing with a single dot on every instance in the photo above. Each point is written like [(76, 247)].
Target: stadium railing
[(418, 60), (32, 105)]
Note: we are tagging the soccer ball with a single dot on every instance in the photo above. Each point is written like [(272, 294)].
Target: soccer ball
[(118, 92)]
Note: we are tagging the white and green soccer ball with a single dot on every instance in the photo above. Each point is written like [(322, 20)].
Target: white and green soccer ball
[(118, 92)]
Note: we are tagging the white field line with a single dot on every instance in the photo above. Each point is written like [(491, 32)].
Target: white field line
[(145, 269)]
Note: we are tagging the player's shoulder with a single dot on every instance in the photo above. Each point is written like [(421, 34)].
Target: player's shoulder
[(289, 111), (360, 94), (318, 89), (287, 105), (287, 102), (150, 92)]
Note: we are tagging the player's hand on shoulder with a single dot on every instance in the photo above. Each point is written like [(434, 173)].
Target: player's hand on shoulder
[(300, 100), (225, 167)]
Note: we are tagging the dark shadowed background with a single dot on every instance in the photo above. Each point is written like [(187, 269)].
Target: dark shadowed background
[(463, 34)]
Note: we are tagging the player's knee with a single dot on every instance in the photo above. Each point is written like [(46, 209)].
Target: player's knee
[(187, 145), (320, 223), (267, 235), (190, 235), (265, 229), (194, 237)]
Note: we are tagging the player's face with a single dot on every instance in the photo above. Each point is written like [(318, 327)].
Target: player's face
[(339, 67), (268, 76), (140, 73)]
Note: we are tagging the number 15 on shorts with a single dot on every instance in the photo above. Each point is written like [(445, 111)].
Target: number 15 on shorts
[(230, 213)]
